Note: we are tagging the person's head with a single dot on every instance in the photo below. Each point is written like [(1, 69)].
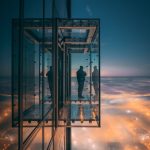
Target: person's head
[(81, 67), (95, 67)]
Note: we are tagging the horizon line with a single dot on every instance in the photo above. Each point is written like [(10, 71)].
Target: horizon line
[(100, 76)]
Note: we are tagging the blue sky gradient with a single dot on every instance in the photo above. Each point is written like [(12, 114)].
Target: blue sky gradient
[(125, 34)]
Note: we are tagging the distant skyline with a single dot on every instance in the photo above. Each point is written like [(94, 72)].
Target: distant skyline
[(125, 34)]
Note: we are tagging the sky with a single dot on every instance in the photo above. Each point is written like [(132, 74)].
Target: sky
[(125, 34)]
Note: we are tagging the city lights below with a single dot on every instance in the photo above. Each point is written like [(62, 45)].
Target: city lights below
[(125, 119)]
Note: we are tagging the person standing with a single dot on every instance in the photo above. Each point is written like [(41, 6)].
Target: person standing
[(80, 78), (50, 80), (95, 79)]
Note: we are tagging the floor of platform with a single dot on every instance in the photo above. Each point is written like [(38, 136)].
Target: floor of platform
[(69, 112)]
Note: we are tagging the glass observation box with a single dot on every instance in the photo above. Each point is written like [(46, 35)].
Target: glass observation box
[(56, 76)]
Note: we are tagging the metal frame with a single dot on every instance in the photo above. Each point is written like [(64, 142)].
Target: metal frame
[(55, 119), (55, 61)]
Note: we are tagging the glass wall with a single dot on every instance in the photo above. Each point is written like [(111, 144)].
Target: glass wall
[(61, 84), (37, 75), (15, 72), (35, 107), (81, 106), (58, 75), (34, 54)]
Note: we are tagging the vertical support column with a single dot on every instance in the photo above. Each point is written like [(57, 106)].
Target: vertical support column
[(99, 74), (55, 70), (39, 75), (12, 74), (43, 72), (68, 138), (69, 76), (20, 75), (64, 76), (68, 130), (90, 72)]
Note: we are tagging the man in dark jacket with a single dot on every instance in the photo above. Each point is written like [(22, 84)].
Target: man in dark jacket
[(50, 80), (80, 78)]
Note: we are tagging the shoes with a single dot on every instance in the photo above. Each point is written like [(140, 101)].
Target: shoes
[(81, 96)]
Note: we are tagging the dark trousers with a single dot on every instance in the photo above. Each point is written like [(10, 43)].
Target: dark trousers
[(80, 88), (51, 91), (51, 88), (96, 87)]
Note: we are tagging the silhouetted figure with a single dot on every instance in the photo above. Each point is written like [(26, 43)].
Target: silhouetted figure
[(95, 79), (50, 80), (80, 78)]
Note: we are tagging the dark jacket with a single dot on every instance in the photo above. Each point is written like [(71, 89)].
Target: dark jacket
[(81, 75), (50, 76)]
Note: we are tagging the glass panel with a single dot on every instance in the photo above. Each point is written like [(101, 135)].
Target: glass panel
[(33, 9), (48, 8), (28, 74), (37, 141), (77, 62), (37, 59), (48, 84), (82, 101), (61, 8), (37, 79), (15, 73), (47, 136), (59, 139)]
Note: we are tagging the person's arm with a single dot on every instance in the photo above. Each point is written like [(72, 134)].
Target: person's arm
[(47, 74)]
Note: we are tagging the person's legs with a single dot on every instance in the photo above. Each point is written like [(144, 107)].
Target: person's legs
[(51, 91), (80, 89), (96, 88), (82, 85)]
